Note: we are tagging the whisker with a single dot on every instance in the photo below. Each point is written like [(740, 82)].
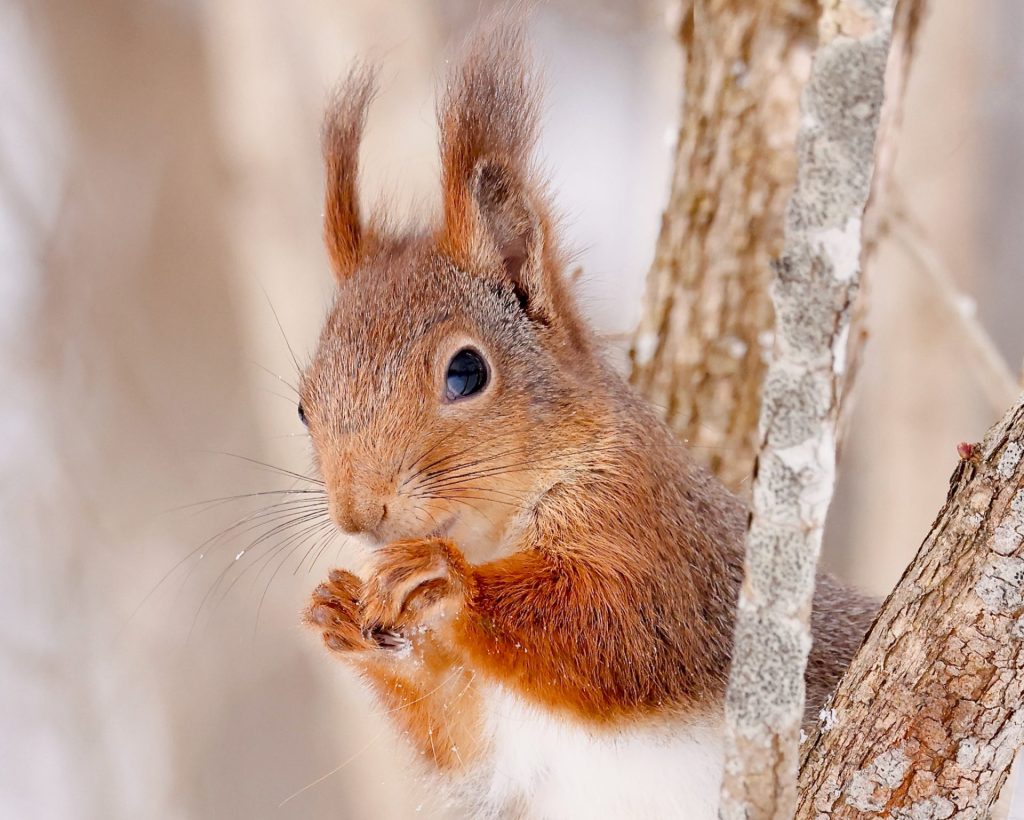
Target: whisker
[(455, 672), (273, 575), (309, 531), (293, 521), (475, 526), (475, 509), (276, 469), (455, 701), (297, 536), (259, 607), (302, 517), (325, 537), (532, 464), (335, 770), (490, 472), (483, 460), (277, 319), (491, 490), (281, 396), (281, 379), (213, 502), (327, 541), (474, 497), (257, 519), (432, 517), (432, 447), (422, 470), (446, 709), (205, 545), (310, 520), (461, 471)]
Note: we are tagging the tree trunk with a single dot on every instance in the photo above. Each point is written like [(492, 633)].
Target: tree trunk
[(700, 349)]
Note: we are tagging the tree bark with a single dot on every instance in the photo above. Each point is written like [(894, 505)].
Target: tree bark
[(926, 721), (700, 349), (815, 286), (880, 207)]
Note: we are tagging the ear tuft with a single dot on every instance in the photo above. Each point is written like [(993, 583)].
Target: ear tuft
[(344, 234), (496, 216), (490, 108), (488, 121)]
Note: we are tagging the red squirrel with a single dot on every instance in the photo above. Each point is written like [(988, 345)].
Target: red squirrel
[(547, 607)]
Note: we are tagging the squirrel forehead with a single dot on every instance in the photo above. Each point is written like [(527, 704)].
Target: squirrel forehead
[(386, 325), (390, 307)]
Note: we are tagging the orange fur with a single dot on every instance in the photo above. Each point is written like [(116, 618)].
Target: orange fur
[(436, 708), (547, 535), (344, 234)]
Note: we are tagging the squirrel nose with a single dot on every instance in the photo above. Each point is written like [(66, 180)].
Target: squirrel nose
[(356, 494), (357, 514)]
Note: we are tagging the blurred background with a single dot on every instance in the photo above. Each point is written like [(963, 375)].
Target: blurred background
[(160, 195)]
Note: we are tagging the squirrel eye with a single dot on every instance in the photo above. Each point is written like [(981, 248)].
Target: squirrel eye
[(302, 415), (467, 374)]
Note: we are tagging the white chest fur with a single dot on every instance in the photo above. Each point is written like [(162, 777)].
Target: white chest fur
[(547, 768)]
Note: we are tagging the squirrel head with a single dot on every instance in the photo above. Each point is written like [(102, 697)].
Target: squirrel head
[(453, 376)]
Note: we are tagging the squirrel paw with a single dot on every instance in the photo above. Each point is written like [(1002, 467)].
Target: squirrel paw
[(335, 612), (416, 583)]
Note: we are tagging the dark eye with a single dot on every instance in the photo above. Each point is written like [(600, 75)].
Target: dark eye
[(467, 374), (302, 415)]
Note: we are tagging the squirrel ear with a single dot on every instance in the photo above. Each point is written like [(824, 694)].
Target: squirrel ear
[(344, 233), (494, 210), (512, 229)]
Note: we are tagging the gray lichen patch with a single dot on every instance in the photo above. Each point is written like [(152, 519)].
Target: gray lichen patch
[(781, 570), (767, 667), (967, 752), (816, 281), (1008, 461), (934, 808), (1007, 537), (1017, 505), (1001, 586), (870, 787)]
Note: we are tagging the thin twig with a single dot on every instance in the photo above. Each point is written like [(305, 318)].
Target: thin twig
[(995, 378)]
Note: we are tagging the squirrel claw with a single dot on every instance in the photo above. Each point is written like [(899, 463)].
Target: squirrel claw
[(390, 640)]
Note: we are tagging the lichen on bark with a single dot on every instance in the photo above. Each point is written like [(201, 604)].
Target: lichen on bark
[(816, 281)]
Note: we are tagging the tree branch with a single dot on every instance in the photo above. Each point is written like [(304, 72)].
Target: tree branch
[(816, 283), (994, 376), (926, 721), (878, 212)]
